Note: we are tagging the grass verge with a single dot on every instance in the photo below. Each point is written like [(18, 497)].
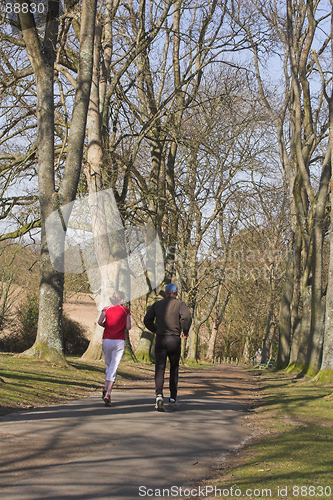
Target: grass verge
[(290, 455), (29, 382)]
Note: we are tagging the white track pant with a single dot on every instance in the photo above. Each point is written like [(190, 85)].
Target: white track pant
[(113, 352)]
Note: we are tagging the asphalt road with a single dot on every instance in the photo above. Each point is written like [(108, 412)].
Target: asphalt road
[(86, 451)]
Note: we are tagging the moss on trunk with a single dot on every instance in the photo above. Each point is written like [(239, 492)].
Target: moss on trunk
[(95, 350), (43, 351), (325, 376), (144, 351)]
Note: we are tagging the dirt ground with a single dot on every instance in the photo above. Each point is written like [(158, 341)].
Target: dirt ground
[(226, 381), (82, 308)]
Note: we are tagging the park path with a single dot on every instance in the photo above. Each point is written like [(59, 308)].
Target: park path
[(85, 451)]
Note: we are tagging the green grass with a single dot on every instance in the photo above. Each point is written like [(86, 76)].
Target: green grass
[(196, 364), (294, 444), (29, 382)]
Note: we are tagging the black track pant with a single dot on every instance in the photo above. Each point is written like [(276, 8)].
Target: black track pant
[(167, 346)]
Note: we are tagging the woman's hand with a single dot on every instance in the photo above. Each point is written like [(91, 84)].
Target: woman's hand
[(102, 319)]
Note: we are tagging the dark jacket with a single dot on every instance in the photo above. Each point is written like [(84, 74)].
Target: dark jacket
[(172, 316)]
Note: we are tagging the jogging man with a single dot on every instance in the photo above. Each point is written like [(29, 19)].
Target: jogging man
[(172, 316)]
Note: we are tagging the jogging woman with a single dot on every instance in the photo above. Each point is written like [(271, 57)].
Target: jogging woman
[(115, 319)]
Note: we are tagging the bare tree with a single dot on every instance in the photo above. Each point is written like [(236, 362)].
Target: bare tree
[(102, 158), (164, 93), (301, 124), (42, 54), (18, 144), (217, 318), (144, 106), (326, 369)]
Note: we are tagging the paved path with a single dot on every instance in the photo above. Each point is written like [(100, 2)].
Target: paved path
[(85, 451)]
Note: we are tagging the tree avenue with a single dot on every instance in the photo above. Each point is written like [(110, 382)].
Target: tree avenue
[(211, 128), (301, 124)]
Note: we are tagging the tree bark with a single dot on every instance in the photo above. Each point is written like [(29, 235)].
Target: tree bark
[(326, 369), (269, 337), (300, 341), (314, 355), (197, 321), (247, 345), (48, 344), (285, 315), (304, 140), (271, 321), (219, 314), (144, 351), (94, 350), (109, 240), (192, 354)]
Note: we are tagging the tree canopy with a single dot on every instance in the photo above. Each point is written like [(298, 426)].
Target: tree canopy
[(210, 124)]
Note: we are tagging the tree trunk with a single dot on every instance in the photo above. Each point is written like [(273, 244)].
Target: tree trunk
[(128, 353), (102, 285), (183, 349), (212, 342), (285, 315), (315, 341), (268, 341), (314, 355), (220, 310), (300, 341), (326, 370), (49, 342), (107, 227), (192, 354), (271, 320), (295, 303), (94, 351), (247, 344), (197, 321), (144, 351)]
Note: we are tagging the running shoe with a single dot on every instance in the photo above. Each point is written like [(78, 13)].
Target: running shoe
[(107, 400), (173, 403), (159, 406), (103, 394)]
